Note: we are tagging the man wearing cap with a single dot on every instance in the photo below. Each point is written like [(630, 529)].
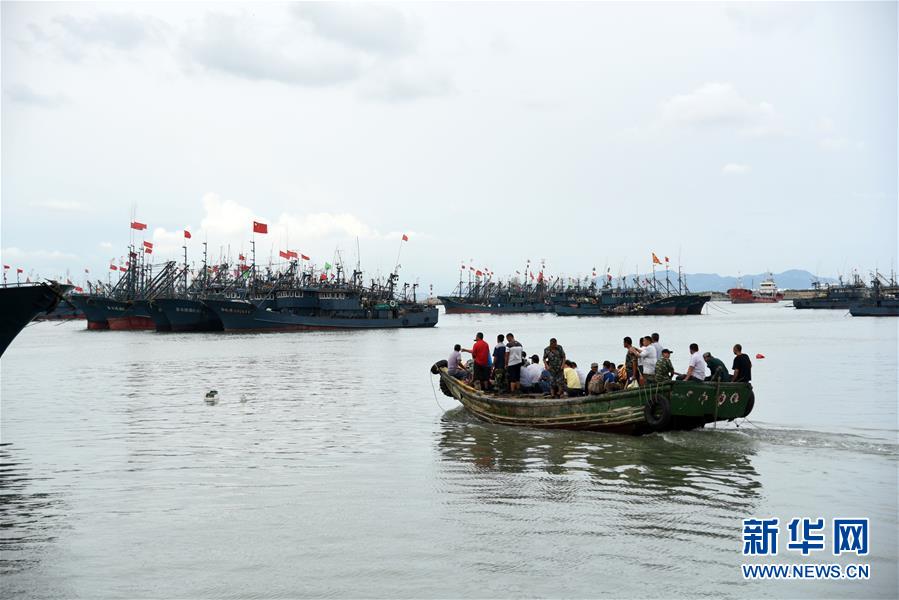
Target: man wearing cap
[(480, 352), (594, 370), (717, 369), (664, 368)]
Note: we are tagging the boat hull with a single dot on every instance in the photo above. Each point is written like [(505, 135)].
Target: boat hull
[(883, 308), (690, 304), (183, 314), (821, 303), (20, 304), (690, 405), (456, 306)]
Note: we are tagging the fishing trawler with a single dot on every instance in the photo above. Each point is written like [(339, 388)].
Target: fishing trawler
[(883, 301), (480, 294), (839, 296), (21, 302), (767, 293)]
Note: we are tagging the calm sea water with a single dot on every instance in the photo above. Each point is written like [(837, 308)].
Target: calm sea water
[(331, 468)]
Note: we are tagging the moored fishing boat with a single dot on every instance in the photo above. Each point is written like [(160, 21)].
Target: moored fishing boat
[(20, 303), (667, 406)]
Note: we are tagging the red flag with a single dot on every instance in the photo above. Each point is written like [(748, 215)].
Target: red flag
[(215, 268), (323, 277), (123, 268), (478, 273), (5, 266), (655, 259), (148, 245), (532, 276), (241, 257), (138, 225), (244, 268), (666, 259), (113, 268), (405, 238), (19, 271), (259, 227), (148, 250), (79, 289), (186, 234), (304, 257), (283, 254), (292, 254)]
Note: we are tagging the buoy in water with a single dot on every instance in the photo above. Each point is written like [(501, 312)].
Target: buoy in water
[(760, 355), (212, 396)]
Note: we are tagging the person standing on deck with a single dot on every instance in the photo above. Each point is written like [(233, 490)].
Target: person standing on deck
[(554, 359), (480, 352), (514, 360), (696, 369), (499, 364), (648, 354), (657, 345), (742, 365), (630, 361)]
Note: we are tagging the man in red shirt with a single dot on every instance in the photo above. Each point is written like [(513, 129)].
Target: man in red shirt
[(480, 352)]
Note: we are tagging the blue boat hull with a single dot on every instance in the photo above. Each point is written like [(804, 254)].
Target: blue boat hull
[(183, 314)]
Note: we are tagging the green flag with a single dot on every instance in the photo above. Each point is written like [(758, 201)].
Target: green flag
[(327, 266)]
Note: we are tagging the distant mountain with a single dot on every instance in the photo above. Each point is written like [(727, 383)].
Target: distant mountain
[(794, 279)]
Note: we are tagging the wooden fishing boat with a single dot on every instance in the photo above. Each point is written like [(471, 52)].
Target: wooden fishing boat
[(667, 406)]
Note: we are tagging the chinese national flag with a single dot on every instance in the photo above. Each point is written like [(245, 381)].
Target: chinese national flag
[(304, 257), (79, 289), (666, 259), (259, 227), (405, 238), (20, 271), (292, 254), (138, 225), (283, 254), (478, 273), (148, 245), (5, 266), (241, 257), (113, 268), (186, 234), (148, 250), (323, 277), (244, 268), (655, 259)]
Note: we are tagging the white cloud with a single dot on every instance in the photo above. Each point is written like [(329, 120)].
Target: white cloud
[(106, 245), (322, 225), (242, 47), (407, 81), (735, 169), (76, 38), (225, 218), (65, 206), (23, 94), (12, 253), (369, 27), (720, 105)]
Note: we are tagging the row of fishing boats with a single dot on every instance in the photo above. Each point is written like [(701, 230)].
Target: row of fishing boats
[(225, 297), (589, 297)]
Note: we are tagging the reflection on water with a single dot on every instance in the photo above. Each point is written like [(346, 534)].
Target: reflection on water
[(28, 518)]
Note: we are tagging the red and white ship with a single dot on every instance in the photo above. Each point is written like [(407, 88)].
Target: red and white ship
[(767, 293)]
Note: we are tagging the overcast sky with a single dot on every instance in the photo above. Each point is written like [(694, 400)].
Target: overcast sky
[(738, 137)]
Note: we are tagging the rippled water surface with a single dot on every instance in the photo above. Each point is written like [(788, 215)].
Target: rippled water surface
[(330, 467)]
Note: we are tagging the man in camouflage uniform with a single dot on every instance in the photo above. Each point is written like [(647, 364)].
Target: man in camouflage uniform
[(630, 361), (664, 368), (554, 358)]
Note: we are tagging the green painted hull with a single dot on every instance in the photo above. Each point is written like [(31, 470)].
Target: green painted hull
[(672, 405)]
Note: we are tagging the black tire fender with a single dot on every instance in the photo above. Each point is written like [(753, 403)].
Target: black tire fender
[(440, 364), (445, 388), (657, 413)]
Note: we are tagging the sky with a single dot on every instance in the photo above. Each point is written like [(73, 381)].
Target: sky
[(731, 137)]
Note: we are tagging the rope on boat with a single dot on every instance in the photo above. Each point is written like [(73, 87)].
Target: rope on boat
[(435, 394)]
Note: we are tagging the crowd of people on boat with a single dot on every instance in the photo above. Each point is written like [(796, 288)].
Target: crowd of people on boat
[(508, 369)]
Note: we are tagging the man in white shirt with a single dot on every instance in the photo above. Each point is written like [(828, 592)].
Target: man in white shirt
[(530, 375), (514, 359), (696, 370), (649, 357), (657, 345)]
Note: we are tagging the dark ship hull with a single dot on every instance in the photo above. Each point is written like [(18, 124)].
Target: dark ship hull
[(876, 308), (822, 303), (686, 304), (19, 304), (183, 314), (459, 306), (243, 315), (93, 308)]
